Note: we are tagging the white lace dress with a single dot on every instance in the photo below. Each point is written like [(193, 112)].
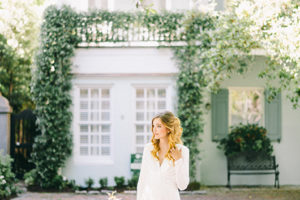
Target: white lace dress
[(162, 182)]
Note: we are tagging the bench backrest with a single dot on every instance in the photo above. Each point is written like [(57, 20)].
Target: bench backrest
[(251, 161)]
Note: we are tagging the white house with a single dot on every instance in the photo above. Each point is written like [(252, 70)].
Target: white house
[(117, 91)]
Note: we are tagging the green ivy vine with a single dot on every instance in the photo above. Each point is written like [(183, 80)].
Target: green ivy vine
[(51, 93)]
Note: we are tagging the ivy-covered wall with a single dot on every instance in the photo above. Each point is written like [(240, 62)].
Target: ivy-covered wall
[(62, 31)]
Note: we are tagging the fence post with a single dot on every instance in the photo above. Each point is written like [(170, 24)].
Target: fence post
[(5, 114)]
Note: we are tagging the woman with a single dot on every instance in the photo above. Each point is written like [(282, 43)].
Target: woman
[(165, 163)]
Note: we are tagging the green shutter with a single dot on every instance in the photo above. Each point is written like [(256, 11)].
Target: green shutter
[(273, 117), (219, 111)]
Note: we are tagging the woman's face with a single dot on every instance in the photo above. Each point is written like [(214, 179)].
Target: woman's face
[(159, 130)]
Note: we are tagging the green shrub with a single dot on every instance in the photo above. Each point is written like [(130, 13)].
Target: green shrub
[(71, 184), (120, 181), (246, 138), (89, 183), (194, 185), (103, 182), (132, 183), (7, 177)]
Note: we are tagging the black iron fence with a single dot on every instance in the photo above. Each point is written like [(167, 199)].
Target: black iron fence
[(23, 132)]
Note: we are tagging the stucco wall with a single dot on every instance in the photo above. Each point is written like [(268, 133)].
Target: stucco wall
[(122, 69), (125, 67), (213, 164)]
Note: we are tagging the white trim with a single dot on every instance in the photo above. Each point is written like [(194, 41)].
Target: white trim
[(168, 5), (110, 5), (191, 4)]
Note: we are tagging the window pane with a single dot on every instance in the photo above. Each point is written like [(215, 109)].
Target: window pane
[(105, 151), (150, 93), (139, 149), (105, 93), (140, 93), (94, 116), (83, 128), (140, 116), (140, 105), (84, 139), (161, 93), (105, 128), (139, 128), (150, 105), (94, 139), (94, 128), (95, 151), (105, 105), (246, 106), (95, 93), (139, 139), (105, 116), (84, 151), (105, 139), (161, 105), (94, 105), (83, 105), (150, 115), (83, 116), (83, 93)]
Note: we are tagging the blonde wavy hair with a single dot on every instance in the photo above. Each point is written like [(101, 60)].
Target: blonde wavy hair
[(172, 123)]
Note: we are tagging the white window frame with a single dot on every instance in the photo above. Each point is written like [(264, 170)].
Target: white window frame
[(76, 128), (246, 88), (134, 123)]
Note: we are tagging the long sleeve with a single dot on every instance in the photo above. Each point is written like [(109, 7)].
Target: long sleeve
[(143, 176), (182, 170)]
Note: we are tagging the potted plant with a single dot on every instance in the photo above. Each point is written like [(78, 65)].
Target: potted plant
[(249, 138)]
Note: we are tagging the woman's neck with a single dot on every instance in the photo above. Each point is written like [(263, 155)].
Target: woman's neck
[(164, 144)]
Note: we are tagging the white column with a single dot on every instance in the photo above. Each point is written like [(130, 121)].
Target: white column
[(5, 113)]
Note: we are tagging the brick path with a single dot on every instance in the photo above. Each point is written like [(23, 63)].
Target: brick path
[(284, 193)]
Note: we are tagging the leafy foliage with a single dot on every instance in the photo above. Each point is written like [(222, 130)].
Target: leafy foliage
[(120, 181), (190, 84), (103, 182), (19, 25), (246, 138), (14, 76), (7, 178), (51, 94), (274, 25), (89, 183)]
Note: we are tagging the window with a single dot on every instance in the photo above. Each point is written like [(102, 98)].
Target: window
[(148, 102), (246, 106), (94, 122)]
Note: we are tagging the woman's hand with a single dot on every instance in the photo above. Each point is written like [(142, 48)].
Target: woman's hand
[(176, 153)]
